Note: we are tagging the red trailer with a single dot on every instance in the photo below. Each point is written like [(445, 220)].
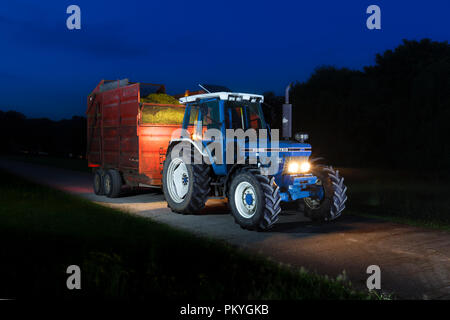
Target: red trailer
[(127, 139)]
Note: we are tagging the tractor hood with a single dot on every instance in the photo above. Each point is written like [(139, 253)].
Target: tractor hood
[(285, 148)]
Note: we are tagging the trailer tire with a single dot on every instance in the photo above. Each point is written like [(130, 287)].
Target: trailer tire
[(332, 204), (254, 199), (98, 183), (112, 183), (195, 182)]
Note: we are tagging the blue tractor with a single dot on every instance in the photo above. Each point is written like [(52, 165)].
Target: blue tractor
[(255, 177)]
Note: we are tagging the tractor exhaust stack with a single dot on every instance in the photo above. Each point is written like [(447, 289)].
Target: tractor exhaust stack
[(287, 115)]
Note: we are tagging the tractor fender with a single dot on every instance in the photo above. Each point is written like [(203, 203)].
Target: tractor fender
[(174, 142)]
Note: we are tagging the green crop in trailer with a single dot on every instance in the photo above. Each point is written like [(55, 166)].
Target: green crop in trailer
[(160, 98), (162, 115)]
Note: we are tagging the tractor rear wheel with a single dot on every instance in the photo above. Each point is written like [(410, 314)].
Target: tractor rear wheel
[(112, 183), (186, 186), (330, 196), (254, 199)]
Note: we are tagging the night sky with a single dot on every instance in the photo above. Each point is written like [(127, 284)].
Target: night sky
[(47, 70)]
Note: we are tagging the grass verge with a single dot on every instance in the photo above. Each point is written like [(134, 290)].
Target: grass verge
[(121, 256)]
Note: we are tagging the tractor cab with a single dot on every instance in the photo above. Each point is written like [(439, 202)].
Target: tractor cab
[(228, 116), (240, 120)]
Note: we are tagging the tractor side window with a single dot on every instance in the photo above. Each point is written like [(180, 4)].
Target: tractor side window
[(253, 116), (243, 115), (162, 115), (210, 118), (234, 118), (193, 117)]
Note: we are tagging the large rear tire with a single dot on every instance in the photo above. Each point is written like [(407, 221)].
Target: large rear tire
[(331, 202), (254, 199), (186, 186)]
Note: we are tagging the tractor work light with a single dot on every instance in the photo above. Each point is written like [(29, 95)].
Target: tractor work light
[(298, 167), (301, 137)]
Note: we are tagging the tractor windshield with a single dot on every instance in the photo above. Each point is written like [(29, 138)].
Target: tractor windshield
[(244, 115)]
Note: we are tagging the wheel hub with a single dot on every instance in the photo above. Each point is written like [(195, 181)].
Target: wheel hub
[(177, 180), (107, 184), (184, 179), (248, 198), (245, 199), (97, 182)]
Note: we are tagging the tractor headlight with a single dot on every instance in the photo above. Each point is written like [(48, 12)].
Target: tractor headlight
[(298, 167), (293, 167), (305, 167)]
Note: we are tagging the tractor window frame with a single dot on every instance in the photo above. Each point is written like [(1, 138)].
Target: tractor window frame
[(244, 108)]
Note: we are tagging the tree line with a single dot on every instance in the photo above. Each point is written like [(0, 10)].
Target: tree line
[(66, 138), (394, 114)]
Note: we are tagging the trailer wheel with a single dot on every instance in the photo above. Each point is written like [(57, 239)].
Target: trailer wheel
[(98, 183), (330, 198), (254, 199), (186, 186), (112, 183)]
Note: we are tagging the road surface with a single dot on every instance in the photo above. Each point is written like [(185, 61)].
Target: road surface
[(414, 262)]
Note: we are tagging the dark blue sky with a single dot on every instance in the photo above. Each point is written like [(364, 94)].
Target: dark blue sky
[(254, 46)]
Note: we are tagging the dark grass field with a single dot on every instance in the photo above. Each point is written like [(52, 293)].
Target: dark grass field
[(121, 256)]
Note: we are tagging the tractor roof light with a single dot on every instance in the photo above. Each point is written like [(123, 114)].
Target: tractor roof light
[(301, 137)]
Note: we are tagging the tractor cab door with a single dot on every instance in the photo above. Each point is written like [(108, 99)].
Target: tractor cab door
[(203, 116), (211, 121)]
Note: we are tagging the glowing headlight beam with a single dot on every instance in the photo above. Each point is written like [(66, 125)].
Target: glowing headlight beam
[(293, 167), (296, 167), (305, 167)]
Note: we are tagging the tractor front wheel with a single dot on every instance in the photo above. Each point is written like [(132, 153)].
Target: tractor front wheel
[(329, 197), (254, 199)]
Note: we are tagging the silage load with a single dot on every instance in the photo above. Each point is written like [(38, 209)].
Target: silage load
[(161, 98), (162, 115)]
